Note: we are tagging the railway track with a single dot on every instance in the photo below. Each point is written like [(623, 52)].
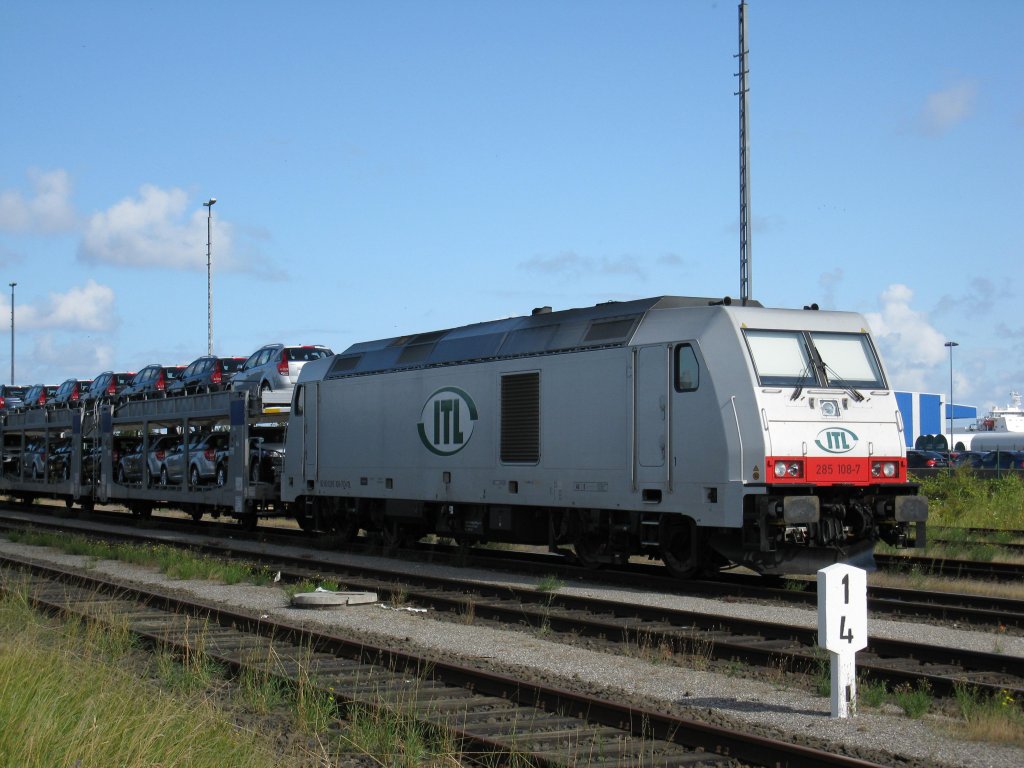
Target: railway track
[(943, 607), (721, 637), (699, 632), (952, 568), (488, 713), (935, 566)]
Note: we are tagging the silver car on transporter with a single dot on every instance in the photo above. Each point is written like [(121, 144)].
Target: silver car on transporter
[(275, 367)]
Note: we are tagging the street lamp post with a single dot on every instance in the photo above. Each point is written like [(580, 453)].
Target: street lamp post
[(12, 332), (209, 281), (951, 344)]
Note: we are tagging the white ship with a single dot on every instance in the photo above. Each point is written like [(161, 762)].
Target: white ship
[(1002, 429)]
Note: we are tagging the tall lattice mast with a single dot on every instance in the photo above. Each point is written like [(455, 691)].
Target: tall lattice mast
[(745, 271)]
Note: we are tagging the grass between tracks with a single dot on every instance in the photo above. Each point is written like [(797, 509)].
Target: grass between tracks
[(68, 697), (87, 707), (176, 563), (79, 693)]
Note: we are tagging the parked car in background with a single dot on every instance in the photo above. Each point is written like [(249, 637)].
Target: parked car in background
[(106, 387), (152, 381), (11, 397), (275, 367), (1000, 460), (129, 467), (70, 393), (959, 458), (38, 395), (925, 460), (208, 373)]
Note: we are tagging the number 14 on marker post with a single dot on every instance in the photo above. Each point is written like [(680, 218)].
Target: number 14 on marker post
[(843, 629)]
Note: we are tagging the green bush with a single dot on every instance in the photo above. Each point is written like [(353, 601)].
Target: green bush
[(962, 499), (914, 701)]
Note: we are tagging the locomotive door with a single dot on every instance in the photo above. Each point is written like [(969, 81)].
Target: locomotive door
[(310, 397), (651, 411)]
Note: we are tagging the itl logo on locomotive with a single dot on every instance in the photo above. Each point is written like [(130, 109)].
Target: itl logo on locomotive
[(446, 421), (836, 440)]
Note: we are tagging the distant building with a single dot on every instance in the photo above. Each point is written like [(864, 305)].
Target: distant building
[(926, 414)]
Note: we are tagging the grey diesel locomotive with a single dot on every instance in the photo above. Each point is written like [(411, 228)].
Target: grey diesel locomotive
[(686, 429)]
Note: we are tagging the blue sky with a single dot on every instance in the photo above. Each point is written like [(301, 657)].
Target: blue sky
[(384, 168)]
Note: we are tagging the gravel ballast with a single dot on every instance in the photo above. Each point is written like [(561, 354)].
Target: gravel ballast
[(767, 706)]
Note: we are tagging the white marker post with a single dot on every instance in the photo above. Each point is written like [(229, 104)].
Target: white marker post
[(843, 629)]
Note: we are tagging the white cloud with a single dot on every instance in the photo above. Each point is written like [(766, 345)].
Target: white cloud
[(52, 361), (46, 210), (911, 347), (155, 230), (86, 308), (944, 109)]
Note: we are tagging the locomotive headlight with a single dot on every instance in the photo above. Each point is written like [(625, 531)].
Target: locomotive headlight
[(883, 469), (789, 469)]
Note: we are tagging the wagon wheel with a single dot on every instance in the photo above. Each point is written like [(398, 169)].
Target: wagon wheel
[(680, 550), (142, 509)]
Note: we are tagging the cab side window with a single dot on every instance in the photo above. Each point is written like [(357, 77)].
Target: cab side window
[(687, 370)]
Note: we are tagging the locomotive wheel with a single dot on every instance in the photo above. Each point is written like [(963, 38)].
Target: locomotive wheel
[(591, 550), (680, 549), (347, 527), (590, 541)]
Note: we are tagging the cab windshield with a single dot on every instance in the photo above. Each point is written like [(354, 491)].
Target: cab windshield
[(814, 359)]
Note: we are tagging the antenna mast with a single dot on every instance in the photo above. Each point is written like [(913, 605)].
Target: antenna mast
[(744, 161)]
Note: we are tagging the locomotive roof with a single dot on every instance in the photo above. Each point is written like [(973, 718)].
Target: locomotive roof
[(609, 324)]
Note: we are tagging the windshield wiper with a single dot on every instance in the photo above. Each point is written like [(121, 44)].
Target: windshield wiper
[(803, 375), (836, 378)]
